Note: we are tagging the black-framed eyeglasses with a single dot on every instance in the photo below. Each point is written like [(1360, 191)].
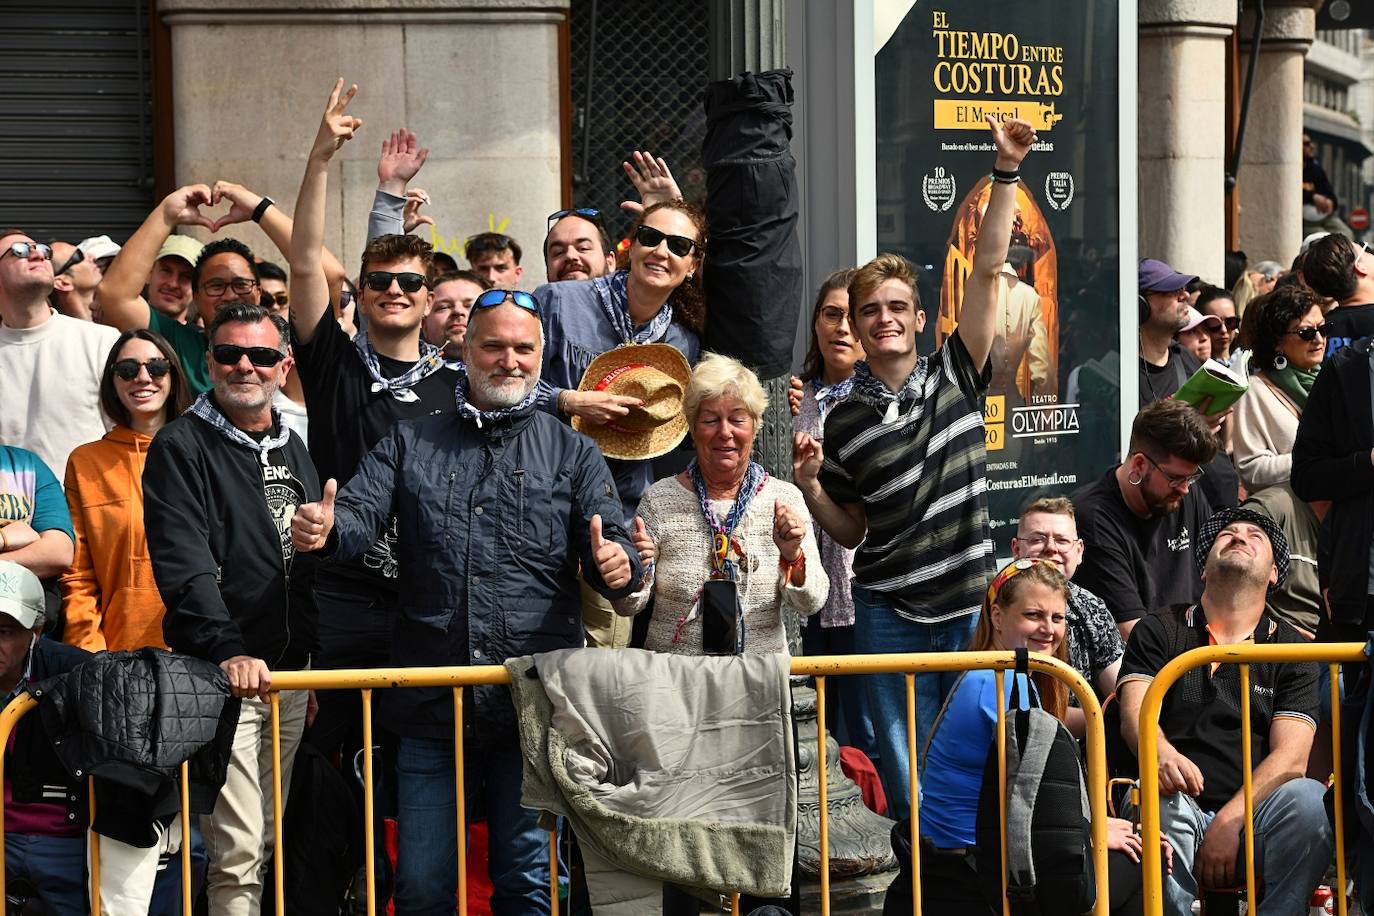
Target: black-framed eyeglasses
[(590, 214), (77, 257), (1176, 481), (24, 250), (379, 281), (1309, 334), (494, 297), (240, 285), (127, 369), (262, 357), (679, 245)]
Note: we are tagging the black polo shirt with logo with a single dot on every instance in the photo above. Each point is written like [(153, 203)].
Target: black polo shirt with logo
[(1201, 712)]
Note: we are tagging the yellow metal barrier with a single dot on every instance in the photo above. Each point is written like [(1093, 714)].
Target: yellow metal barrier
[(820, 667), (1334, 654)]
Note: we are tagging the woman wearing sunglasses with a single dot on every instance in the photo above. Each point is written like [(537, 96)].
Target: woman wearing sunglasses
[(109, 597), (655, 297), (1025, 608)]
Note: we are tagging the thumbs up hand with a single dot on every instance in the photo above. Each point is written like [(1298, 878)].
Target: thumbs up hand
[(643, 543), (611, 560), (312, 522)]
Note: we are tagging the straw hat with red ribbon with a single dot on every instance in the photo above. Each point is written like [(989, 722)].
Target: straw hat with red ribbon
[(656, 374)]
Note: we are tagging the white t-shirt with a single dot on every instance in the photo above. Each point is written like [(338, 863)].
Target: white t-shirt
[(50, 387)]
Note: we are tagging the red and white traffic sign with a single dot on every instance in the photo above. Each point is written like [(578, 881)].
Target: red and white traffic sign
[(1359, 219)]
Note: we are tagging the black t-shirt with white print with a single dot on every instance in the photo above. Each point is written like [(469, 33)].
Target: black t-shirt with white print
[(347, 418), (282, 492)]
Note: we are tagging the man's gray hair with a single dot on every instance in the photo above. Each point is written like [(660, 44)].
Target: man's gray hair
[(244, 313)]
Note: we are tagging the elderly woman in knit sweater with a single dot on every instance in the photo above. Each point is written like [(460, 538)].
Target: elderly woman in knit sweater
[(724, 518)]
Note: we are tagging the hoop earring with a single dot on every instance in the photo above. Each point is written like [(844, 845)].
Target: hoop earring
[(1280, 363), (1134, 483)]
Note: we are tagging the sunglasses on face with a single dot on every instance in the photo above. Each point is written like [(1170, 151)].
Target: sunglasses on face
[(1307, 335), (261, 357), (379, 281), (679, 245), (77, 257), (1231, 322), (127, 369), (22, 250), (494, 297), (281, 300), (241, 285), (590, 214)]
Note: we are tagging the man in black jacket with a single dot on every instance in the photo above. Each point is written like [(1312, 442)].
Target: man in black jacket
[(495, 508), (45, 809), (220, 487), (1333, 459)]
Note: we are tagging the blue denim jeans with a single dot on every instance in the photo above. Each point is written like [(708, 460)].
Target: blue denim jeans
[(878, 629), (427, 811), (1294, 844), (55, 866)]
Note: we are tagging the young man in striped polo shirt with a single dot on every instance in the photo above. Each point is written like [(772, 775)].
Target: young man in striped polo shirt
[(903, 470)]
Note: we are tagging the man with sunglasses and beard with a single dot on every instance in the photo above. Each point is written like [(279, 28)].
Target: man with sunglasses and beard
[(51, 365), (1138, 522), (221, 485), (496, 506)]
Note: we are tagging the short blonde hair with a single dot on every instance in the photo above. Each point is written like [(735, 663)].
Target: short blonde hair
[(719, 376)]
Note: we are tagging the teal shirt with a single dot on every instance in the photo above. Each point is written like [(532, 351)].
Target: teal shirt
[(190, 345)]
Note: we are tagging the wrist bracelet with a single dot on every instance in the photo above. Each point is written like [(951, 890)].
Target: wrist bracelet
[(1006, 174), (261, 208)]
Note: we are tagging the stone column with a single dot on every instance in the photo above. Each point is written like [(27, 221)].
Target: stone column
[(478, 80), (1182, 121), (1270, 179)]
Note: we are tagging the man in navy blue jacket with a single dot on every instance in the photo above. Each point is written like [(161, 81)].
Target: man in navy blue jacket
[(496, 506)]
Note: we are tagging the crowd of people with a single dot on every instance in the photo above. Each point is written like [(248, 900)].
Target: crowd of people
[(274, 468)]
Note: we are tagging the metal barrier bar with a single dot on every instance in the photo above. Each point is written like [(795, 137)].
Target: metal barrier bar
[(1148, 756), (914, 787), (279, 866), (1247, 781), (820, 667), (95, 852), (824, 795), (1000, 677), (1339, 783), (369, 805), (186, 904)]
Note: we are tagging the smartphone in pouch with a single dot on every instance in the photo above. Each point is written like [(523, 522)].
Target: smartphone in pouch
[(722, 621)]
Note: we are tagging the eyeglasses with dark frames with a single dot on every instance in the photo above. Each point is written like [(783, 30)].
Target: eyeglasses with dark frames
[(128, 369), (379, 281), (1308, 334), (261, 357), (77, 257), (679, 245), (240, 285)]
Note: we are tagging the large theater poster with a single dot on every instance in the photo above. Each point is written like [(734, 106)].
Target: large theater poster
[(1052, 410)]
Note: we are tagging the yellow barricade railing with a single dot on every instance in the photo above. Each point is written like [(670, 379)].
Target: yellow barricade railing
[(820, 667), (1333, 654)]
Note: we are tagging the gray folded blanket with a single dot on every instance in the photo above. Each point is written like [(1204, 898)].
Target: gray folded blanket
[(676, 768)]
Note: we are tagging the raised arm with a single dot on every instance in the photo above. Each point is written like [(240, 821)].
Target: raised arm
[(305, 240), (121, 299), (401, 160), (653, 181), (978, 312)]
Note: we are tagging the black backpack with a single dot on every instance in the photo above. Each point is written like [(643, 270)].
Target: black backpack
[(1049, 851)]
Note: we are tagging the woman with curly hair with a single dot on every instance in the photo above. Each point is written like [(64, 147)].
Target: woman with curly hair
[(1288, 341)]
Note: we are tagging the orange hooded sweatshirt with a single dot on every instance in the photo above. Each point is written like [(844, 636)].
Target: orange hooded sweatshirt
[(108, 596)]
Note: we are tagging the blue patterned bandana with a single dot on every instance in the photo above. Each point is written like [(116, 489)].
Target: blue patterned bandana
[(204, 408), (827, 396), (615, 302), (871, 390), (487, 417), (431, 361)]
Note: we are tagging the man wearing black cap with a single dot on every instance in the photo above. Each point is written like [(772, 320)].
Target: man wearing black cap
[(1243, 556), (1165, 365)]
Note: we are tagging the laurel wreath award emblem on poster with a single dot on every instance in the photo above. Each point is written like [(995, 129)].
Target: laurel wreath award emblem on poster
[(1059, 189), (937, 189)]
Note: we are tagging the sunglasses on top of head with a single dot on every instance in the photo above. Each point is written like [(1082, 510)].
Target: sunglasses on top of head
[(23, 250), (590, 214), (127, 369), (679, 245), (494, 297), (379, 281), (261, 357)]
